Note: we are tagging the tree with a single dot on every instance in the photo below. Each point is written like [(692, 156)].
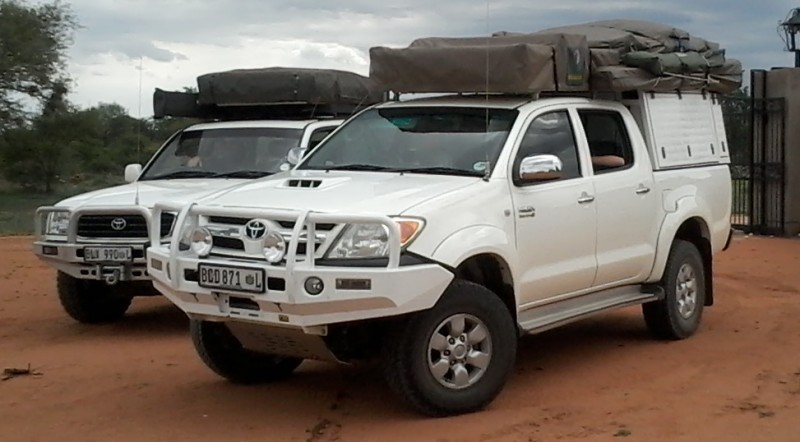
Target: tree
[(36, 156), (33, 45)]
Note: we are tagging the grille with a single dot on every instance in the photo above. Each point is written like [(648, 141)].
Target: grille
[(231, 245), (285, 224), (132, 226), (124, 226)]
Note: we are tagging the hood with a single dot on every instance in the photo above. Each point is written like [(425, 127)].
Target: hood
[(150, 192), (340, 191)]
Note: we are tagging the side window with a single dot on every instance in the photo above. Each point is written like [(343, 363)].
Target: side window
[(551, 134), (319, 135), (608, 139)]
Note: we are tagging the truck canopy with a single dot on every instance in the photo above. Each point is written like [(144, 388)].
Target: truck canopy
[(271, 93), (606, 56)]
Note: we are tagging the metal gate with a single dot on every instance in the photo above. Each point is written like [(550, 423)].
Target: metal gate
[(755, 129)]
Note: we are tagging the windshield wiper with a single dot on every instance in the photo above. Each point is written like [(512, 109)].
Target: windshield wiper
[(357, 167), (441, 171), (182, 174), (244, 174)]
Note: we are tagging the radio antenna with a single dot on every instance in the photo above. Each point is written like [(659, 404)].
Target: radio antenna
[(487, 65)]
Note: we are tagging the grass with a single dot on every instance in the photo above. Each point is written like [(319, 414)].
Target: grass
[(18, 207), (17, 211)]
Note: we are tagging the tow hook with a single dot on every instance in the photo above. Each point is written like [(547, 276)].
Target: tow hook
[(113, 277)]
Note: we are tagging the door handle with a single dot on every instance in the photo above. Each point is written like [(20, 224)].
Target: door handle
[(527, 212), (642, 190), (585, 199)]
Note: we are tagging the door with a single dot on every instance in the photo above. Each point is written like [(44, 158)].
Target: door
[(555, 218), (626, 202)]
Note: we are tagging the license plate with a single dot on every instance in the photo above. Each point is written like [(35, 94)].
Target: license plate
[(107, 254), (238, 279)]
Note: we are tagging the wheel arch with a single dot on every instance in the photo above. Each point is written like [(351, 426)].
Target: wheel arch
[(481, 254), (490, 270), (692, 228)]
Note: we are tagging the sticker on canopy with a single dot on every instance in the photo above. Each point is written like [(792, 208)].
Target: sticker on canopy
[(480, 166)]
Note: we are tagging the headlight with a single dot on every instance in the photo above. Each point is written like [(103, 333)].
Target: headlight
[(57, 223), (372, 240)]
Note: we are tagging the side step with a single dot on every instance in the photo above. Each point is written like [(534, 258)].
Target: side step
[(551, 315)]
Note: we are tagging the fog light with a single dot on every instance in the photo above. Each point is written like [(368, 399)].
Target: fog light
[(314, 286)]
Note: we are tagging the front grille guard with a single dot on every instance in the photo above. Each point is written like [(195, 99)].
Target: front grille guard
[(75, 214), (188, 216)]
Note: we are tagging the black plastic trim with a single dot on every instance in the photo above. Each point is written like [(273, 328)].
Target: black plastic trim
[(406, 259), (728, 241)]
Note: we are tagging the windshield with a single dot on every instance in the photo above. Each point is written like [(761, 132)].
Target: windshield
[(248, 152), (445, 140)]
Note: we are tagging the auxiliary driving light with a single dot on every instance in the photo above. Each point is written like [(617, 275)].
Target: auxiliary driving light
[(274, 247), (314, 286)]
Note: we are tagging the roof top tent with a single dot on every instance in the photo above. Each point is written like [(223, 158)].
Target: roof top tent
[(270, 93), (597, 57), (665, 76)]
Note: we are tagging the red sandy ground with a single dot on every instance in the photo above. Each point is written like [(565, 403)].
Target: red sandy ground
[(602, 379)]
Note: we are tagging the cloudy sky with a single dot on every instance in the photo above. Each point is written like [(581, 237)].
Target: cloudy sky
[(177, 40)]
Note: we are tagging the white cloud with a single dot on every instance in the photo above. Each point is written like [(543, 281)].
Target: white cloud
[(114, 77), (181, 39)]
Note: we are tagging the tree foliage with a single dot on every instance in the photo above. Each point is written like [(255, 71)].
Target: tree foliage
[(33, 49)]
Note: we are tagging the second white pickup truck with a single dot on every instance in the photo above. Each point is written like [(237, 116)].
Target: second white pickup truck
[(432, 233)]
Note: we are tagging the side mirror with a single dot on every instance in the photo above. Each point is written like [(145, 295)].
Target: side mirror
[(132, 172), (295, 155), (540, 168)]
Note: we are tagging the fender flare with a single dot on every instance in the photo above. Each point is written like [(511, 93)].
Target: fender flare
[(472, 241), (686, 207)]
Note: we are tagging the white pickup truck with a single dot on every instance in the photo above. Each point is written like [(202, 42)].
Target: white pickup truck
[(433, 233), (258, 122), (96, 241)]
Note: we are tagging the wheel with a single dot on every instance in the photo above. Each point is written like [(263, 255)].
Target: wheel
[(219, 349), (90, 302), (678, 315), (454, 358)]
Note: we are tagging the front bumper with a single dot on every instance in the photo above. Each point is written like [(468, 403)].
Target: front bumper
[(69, 259), (68, 253), (349, 293)]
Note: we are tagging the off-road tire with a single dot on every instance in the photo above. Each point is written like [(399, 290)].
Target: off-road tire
[(405, 357), (219, 349), (662, 317), (90, 302)]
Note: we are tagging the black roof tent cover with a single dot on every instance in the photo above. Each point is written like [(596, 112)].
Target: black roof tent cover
[(602, 56), (270, 93)]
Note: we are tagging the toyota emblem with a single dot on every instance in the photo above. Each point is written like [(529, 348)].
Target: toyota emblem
[(255, 229), (119, 224)]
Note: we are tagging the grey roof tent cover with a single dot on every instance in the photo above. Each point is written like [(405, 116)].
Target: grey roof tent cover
[(273, 92), (248, 87), (612, 55)]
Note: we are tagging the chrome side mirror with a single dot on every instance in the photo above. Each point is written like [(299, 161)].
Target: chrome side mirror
[(540, 168), (132, 172)]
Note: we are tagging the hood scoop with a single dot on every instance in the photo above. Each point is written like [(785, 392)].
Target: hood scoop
[(303, 183)]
